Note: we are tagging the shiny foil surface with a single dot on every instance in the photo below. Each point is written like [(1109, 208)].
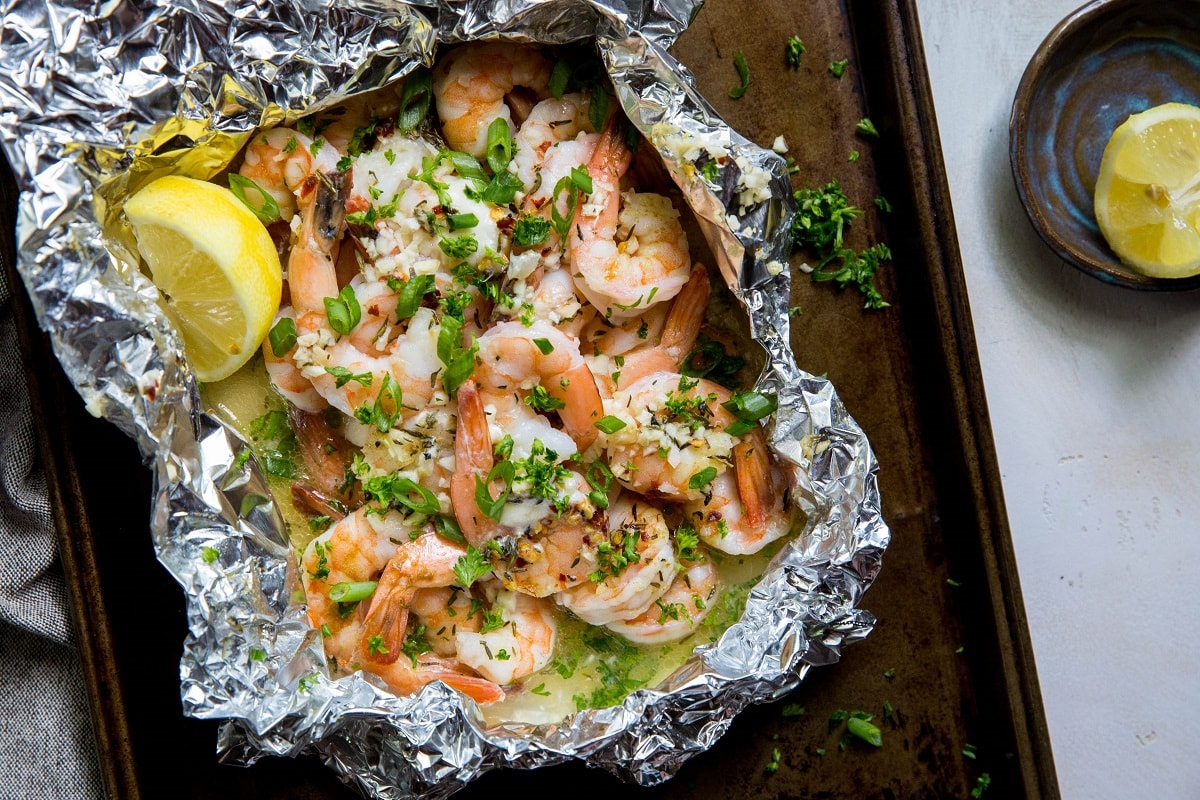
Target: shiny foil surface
[(99, 99)]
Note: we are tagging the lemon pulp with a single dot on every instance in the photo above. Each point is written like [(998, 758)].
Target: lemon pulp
[(215, 265), (1147, 197)]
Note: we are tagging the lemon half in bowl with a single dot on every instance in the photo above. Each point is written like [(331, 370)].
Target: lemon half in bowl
[(216, 266), (1147, 197)]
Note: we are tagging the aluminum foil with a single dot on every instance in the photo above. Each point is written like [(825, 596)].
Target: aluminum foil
[(97, 99)]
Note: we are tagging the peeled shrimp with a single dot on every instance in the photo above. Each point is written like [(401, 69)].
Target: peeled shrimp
[(516, 358), (626, 579), (426, 562), (281, 160), (626, 356), (521, 646), (676, 614), (723, 523), (525, 513), (354, 550), (650, 264), (470, 83)]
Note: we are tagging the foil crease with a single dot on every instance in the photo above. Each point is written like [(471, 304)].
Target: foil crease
[(98, 99)]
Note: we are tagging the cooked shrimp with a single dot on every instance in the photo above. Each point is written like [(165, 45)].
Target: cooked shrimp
[(633, 565), (286, 376), (542, 494), (650, 263), (470, 83), (516, 358), (622, 362), (521, 646), (280, 161), (444, 612), (676, 614), (354, 550), (425, 562), (723, 522), (674, 436), (552, 141)]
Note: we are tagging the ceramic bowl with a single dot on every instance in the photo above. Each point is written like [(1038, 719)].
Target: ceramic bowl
[(1105, 61)]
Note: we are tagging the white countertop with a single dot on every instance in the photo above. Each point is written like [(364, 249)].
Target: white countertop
[(1093, 393)]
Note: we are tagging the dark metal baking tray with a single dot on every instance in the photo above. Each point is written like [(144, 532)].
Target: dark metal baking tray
[(954, 662)]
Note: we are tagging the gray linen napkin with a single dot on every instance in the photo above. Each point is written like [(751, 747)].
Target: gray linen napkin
[(46, 742)]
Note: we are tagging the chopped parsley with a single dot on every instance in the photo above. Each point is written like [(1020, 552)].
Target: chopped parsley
[(530, 230), (793, 710), (773, 764), (819, 227), (867, 128), (882, 204), (540, 399), (616, 553), (981, 785), (492, 619), (277, 450), (210, 555), (415, 644), (687, 542), (838, 68), (795, 49), (458, 246), (471, 567)]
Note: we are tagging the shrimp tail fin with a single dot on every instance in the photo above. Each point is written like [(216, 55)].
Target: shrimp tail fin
[(481, 690), (583, 406), (752, 467), (682, 326), (472, 458), (387, 618)]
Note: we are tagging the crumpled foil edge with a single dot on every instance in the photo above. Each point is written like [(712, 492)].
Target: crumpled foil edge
[(86, 89)]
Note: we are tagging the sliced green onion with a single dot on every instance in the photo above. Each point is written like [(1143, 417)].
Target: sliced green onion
[(466, 166), (739, 428), (558, 79), (344, 312), (544, 345), (863, 729), (459, 222), (563, 224), (710, 355), (381, 417), (411, 293), (447, 528), (743, 71), (414, 100), (581, 179), (267, 209), (599, 476), (403, 491), (503, 187), (751, 406), (282, 336), (449, 339), (499, 145), (459, 369), (352, 592), (702, 478), (598, 107), (493, 506), (610, 424)]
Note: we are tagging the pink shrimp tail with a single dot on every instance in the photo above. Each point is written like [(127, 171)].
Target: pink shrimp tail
[(472, 458), (682, 326), (752, 467)]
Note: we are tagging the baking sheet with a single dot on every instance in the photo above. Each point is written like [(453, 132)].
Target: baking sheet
[(902, 373)]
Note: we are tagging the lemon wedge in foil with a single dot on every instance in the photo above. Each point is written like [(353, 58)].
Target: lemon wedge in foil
[(215, 265)]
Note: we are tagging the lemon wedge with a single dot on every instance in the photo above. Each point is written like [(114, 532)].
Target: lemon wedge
[(215, 265), (1148, 192)]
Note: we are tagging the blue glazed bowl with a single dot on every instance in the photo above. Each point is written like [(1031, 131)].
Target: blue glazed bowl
[(1105, 61)]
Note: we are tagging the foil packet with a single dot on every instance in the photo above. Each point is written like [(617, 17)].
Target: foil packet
[(99, 99)]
